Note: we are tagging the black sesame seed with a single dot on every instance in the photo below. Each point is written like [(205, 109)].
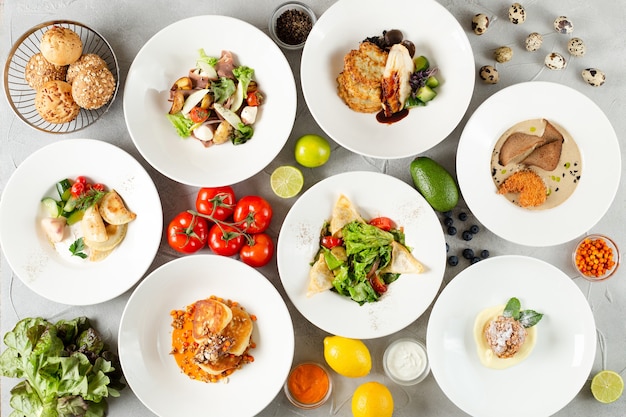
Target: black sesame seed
[(453, 260), (467, 235), (474, 229), (452, 230), (468, 253)]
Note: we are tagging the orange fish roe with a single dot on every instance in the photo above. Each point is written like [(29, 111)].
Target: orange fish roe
[(594, 257)]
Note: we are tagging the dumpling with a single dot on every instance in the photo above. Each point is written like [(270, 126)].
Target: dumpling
[(93, 226), (320, 277), (344, 212), (113, 210), (402, 261)]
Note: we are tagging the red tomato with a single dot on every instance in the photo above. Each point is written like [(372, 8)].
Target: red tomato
[(198, 114), (217, 202), (78, 188), (258, 252), (254, 98), (330, 242), (98, 186), (384, 223), (378, 284), (225, 240), (82, 179), (253, 213), (187, 233)]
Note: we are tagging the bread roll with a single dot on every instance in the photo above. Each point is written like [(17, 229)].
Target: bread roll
[(61, 46), (93, 89), (54, 102), (39, 71)]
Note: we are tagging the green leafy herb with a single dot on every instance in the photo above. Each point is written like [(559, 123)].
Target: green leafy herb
[(89, 198), (66, 367), (527, 318), (77, 248)]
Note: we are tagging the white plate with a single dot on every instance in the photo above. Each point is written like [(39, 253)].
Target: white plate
[(169, 55), (590, 129), (406, 299), (37, 263), (556, 369), (436, 34), (145, 339)]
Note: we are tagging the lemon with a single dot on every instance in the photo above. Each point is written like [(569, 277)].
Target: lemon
[(435, 183), (286, 181), (312, 151), (372, 399), (607, 386), (347, 357)]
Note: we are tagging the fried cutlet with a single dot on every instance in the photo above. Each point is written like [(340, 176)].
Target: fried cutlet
[(531, 188), (359, 84)]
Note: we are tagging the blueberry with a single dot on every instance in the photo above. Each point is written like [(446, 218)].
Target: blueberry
[(467, 235), (448, 221), (475, 259), (462, 216), (484, 254), (474, 229), (447, 214), (453, 260), (468, 253), (447, 247), (452, 230)]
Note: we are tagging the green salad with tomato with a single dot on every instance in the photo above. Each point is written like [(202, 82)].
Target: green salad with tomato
[(216, 102)]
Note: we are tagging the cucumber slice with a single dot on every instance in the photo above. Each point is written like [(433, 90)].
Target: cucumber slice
[(52, 207), (421, 63), (70, 204), (64, 188), (425, 94), (75, 216), (432, 82)]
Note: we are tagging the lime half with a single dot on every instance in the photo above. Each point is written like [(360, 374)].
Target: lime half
[(287, 181), (607, 386)]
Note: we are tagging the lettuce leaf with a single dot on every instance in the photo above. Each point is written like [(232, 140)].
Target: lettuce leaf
[(182, 124)]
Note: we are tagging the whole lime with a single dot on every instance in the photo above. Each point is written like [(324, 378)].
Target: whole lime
[(312, 151), (434, 183)]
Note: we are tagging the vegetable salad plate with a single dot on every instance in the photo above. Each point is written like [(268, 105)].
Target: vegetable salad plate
[(145, 338), (436, 34), (406, 298), (556, 369), (50, 270), (169, 55), (600, 170)]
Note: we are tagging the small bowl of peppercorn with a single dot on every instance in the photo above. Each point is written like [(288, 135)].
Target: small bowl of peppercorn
[(290, 24), (596, 257)]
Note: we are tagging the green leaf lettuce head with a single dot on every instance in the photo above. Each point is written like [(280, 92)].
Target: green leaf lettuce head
[(66, 367)]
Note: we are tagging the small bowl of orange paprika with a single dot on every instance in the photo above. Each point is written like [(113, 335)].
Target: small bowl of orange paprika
[(308, 385), (596, 257)]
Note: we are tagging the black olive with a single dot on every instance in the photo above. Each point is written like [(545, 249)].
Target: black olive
[(410, 46), (393, 37)]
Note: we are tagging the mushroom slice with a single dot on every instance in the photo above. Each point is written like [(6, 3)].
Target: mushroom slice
[(93, 225), (115, 234), (113, 210)]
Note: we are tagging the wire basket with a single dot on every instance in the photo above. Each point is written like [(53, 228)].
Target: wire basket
[(21, 96)]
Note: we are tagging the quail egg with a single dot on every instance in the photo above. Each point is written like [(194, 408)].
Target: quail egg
[(517, 14), (489, 74), (555, 61), (503, 54), (563, 25), (576, 47), (594, 77), (533, 41), (480, 23)]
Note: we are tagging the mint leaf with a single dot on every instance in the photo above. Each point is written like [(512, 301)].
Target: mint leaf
[(528, 318), (512, 309), (77, 248)]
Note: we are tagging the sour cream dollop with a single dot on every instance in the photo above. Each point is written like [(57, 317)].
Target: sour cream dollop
[(406, 362)]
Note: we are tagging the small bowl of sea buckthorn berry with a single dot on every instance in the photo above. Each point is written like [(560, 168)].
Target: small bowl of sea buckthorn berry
[(596, 257)]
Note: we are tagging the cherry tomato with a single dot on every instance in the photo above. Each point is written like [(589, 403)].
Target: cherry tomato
[(258, 252), (217, 202), (82, 179), (98, 186), (78, 189), (253, 213), (330, 242), (187, 233), (384, 223), (198, 114), (225, 240), (254, 98), (378, 284)]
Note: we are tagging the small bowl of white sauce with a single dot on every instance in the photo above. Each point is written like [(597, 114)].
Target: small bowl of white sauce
[(406, 362)]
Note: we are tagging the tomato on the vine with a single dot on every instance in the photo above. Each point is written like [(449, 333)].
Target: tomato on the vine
[(217, 202), (383, 223), (225, 240), (187, 233), (253, 214), (259, 251)]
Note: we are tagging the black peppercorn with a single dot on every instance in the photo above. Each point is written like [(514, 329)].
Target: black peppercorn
[(293, 26)]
